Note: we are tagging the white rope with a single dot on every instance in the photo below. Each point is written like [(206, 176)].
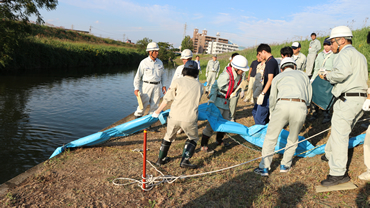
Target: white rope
[(153, 181)]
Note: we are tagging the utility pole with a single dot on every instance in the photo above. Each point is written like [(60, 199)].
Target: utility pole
[(72, 27), (124, 35), (184, 31), (90, 29)]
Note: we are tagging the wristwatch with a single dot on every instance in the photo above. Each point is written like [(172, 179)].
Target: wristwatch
[(263, 93)]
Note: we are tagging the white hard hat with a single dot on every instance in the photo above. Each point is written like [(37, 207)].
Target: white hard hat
[(240, 62), (286, 62), (153, 46), (341, 31), (186, 54)]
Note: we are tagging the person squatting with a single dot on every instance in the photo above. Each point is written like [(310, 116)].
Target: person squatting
[(281, 93)]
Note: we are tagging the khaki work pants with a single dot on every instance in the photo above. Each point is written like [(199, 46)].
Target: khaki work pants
[(208, 131), (249, 95), (150, 95), (211, 78), (285, 112), (233, 103), (190, 129), (367, 149), (345, 116), (310, 63)]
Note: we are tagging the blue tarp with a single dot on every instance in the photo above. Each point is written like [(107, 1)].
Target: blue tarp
[(254, 134)]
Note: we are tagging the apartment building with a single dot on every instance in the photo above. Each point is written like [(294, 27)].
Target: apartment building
[(217, 47), (202, 40)]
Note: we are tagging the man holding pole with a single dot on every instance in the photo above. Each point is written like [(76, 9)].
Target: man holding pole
[(150, 77)]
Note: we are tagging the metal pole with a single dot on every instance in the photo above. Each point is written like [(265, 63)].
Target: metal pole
[(144, 160)]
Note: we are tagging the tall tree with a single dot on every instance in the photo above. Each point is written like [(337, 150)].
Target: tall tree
[(14, 16), (187, 43), (141, 44), (165, 51)]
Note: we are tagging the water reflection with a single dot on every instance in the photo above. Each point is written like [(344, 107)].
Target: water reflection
[(42, 111)]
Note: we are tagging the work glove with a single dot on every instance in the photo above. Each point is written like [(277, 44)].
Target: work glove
[(322, 73), (260, 99), (311, 81), (366, 105), (155, 115), (241, 94), (209, 101), (206, 74)]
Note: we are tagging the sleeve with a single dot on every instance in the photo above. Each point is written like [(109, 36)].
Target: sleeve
[(163, 77), (308, 102), (171, 93), (316, 67), (304, 63), (208, 66), (341, 69), (138, 77), (273, 95), (318, 46)]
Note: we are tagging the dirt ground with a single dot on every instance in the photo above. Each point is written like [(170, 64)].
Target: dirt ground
[(83, 177)]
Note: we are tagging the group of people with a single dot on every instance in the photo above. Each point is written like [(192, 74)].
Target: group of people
[(280, 90)]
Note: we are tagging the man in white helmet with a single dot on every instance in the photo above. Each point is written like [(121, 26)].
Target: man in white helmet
[(349, 77), (315, 47), (290, 95), (186, 55), (150, 79), (213, 67), (299, 58), (220, 93)]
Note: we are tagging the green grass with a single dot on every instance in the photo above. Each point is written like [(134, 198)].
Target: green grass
[(359, 42)]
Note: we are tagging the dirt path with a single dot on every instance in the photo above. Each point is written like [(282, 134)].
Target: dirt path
[(83, 177)]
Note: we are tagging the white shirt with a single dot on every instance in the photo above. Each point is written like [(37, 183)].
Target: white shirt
[(150, 71)]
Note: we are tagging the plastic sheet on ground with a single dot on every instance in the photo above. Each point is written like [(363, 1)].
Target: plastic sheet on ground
[(254, 134)]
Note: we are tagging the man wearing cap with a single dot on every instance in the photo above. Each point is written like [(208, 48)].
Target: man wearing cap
[(186, 55), (149, 77), (323, 62), (299, 58), (185, 92), (315, 47), (213, 67), (349, 77), (220, 93), (290, 95)]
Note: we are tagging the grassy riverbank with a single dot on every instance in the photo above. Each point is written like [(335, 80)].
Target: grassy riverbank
[(83, 177), (359, 42), (48, 47)]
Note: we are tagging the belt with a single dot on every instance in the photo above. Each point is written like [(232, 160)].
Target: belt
[(293, 99), (351, 94), (152, 82)]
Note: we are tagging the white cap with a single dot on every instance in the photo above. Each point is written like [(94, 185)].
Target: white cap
[(153, 46), (341, 31), (186, 54), (296, 45), (287, 61), (240, 62)]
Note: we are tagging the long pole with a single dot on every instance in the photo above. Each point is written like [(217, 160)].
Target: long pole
[(144, 160)]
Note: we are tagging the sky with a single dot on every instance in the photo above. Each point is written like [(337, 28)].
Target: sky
[(246, 23)]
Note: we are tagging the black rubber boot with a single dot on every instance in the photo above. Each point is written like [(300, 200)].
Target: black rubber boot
[(324, 159), (219, 137), (162, 157), (188, 152), (204, 141)]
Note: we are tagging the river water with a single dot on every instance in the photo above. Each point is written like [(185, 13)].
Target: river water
[(43, 111)]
